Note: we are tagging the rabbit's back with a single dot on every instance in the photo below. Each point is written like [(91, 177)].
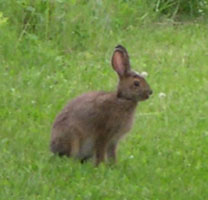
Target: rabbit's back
[(96, 112)]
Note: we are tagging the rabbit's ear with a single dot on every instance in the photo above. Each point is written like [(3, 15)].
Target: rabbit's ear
[(120, 61)]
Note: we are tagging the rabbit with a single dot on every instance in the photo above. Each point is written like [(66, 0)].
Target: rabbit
[(92, 124)]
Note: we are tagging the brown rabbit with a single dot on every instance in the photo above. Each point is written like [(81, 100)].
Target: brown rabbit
[(93, 123)]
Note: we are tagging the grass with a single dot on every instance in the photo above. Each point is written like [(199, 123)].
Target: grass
[(165, 156)]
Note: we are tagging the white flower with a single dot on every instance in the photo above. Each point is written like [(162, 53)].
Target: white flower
[(162, 95), (131, 156), (144, 74)]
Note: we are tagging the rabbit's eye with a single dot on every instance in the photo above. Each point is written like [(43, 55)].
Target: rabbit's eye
[(137, 83)]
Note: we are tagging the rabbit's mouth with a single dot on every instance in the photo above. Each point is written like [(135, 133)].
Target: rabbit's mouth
[(145, 96)]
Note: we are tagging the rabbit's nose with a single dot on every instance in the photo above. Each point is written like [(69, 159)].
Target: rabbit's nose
[(150, 92)]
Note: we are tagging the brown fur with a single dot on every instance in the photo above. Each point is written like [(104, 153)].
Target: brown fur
[(93, 123)]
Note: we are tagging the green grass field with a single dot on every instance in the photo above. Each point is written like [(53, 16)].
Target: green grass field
[(165, 156)]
